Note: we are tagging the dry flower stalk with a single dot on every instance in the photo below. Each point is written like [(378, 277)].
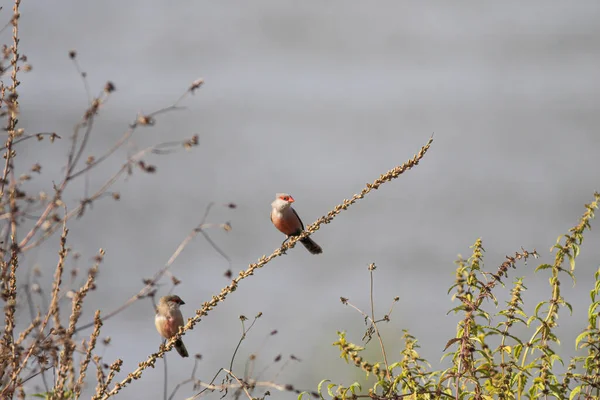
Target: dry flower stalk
[(210, 305)]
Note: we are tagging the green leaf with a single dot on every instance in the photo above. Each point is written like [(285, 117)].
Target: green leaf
[(574, 392), (592, 308), (462, 307), (521, 313), (354, 387), (329, 387), (379, 384), (543, 266), (579, 338), (568, 305), (571, 261), (596, 290), (555, 357), (537, 308), (518, 349), (319, 388), (395, 365), (450, 343), (301, 395)]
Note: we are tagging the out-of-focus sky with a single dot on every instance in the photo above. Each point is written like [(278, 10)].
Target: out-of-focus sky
[(315, 99)]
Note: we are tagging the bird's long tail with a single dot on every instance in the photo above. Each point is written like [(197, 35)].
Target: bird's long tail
[(180, 347), (311, 246)]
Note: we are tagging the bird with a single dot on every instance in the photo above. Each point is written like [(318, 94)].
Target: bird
[(285, 218), (168, 319)]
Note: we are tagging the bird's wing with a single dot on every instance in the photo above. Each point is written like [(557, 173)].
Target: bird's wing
[(299, 220)]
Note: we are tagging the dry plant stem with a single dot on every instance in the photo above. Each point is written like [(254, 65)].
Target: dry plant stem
[(165, 372), (243, 386), (212, 387), (126, 137), (88, 354), (150, 285), (33, 375), (33, 135), (192, 378), (88, 119), (244, 333), (248, 372), (14, 96), (210, 305), (100, 377), (66, 356), (74, 155), (11, 292), (387, 366), (402, 396), (78, 211), (223, 386), (9, 270), (52, 309), (83, 76), (27, 331), (88, 122)]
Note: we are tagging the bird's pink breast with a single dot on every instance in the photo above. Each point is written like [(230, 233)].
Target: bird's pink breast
[(171, 327), (287, 223)]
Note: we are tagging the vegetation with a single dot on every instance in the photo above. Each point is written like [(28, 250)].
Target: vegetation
[(491, 361), (488, 360)]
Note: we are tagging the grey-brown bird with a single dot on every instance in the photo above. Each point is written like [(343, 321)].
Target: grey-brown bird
[(168, 319)]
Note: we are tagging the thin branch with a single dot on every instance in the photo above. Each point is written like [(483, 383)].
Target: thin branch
[(192, 378), (79, 210), (244, 332), (387, 366), (74, 157), (165, 374), (23, 138), (242, 386), (52, 310), (152, 282), (215, 300)]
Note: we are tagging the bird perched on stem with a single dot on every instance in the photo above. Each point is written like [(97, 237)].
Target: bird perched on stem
[(285, 219), (168, 319)]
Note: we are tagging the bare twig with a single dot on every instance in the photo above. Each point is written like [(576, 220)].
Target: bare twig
[(76, 152), (52, 310), (215, 300), (242, 385), (165, 374), (244, 333), (387, 366), (39, 136), (88, 354), (152, 282)]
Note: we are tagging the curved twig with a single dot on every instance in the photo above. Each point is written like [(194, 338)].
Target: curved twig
[(215, 300)]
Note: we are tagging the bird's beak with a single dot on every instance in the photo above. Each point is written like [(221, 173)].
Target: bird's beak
[(291, 200), (182, 302)]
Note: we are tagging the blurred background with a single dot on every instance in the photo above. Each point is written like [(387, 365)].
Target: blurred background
[(315, 99)]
